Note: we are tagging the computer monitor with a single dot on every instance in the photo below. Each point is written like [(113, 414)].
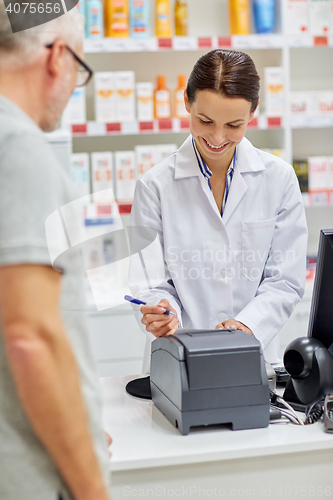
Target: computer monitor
[(321, 314)]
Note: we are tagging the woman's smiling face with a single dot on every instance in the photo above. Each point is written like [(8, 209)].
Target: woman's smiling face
[(218, 123)]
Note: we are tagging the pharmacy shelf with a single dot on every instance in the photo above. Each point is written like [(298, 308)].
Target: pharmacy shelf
[(309, 121), (308, 41), (98, 129), (185, 43)]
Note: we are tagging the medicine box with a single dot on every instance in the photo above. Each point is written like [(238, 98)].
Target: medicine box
[(75, 111), (80, 173), (319, 16), (163, 151), (145, 101), (317, 173), (325, 103), (145, 158), (125, 175), (274, 91), (297, 20), (125, 85), (102, 176), (301, 168), (105, 97)]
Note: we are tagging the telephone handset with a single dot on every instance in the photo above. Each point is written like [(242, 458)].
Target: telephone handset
[(328, 413)]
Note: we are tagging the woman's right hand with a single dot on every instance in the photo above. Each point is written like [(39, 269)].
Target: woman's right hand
[(158, 323)]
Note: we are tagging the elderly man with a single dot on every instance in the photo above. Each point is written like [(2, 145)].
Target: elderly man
[(52, 446)]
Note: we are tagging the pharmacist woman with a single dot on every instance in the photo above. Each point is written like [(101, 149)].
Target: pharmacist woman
[(230, 222)]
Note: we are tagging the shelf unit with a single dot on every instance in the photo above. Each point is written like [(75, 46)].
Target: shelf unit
[(298, 136)]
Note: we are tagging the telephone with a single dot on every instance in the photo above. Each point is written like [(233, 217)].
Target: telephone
[(328, 413)]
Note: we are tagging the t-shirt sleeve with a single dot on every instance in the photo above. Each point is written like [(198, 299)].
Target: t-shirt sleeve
[(33, 184)]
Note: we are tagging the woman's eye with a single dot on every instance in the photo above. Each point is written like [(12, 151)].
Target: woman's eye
[(202, 121), (234, 126)]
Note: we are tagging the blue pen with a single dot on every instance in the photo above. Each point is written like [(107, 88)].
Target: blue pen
[(140, 303)]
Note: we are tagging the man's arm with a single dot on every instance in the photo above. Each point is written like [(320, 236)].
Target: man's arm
[(46, 375)]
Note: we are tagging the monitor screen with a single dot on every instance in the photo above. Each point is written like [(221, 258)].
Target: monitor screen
[(321, 315)]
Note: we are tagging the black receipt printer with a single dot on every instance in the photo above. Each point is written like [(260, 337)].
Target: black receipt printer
[(203, 377)]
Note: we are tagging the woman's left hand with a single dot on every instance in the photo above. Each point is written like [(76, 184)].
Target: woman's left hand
[(233, 324)]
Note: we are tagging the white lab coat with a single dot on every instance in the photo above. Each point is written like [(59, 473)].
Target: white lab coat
[(248, 264)]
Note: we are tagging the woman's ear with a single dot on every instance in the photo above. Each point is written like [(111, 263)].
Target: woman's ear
[(187, 102), (253, 112)]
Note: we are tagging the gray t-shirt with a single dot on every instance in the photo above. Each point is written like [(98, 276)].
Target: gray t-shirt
[(33, 185)]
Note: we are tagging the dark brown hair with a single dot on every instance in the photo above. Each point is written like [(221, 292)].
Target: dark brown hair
[(227, 72)]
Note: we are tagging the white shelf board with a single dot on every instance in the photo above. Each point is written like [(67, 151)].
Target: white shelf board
[(153, 44), (174, 125)]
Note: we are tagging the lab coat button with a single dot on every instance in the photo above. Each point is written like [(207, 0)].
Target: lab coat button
[(222, 317)]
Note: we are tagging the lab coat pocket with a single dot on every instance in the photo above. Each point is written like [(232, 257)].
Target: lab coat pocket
[(256, 242)]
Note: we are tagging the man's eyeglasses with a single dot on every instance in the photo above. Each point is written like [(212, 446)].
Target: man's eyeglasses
[(84, 73)]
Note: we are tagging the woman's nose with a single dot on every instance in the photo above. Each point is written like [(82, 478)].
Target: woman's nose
[(217, 138)]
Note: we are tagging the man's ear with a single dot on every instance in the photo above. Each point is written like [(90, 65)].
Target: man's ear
[(56, 61), (187, 102)]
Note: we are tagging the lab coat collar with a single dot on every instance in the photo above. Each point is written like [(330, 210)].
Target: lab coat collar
[(186, 162), (247, 159)]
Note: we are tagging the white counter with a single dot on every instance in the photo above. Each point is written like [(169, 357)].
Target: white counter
[(149, 453)]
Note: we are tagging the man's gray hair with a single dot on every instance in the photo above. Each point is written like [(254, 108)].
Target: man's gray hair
[(26, 46)]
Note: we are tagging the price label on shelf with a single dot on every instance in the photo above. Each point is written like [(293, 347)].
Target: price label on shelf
[(274, 122), (146, 126), (165, 43), (130, 128), (120, 44), (205, 43), (96, 129), (93, 46), (224, 41), (79, 129), (164, 125), (320, 41), (253, 123), (185, 43), (145, 44), (300, 41), (112, 128), (184, 124)]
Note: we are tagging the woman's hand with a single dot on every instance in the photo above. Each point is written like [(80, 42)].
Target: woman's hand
[(158, 323), (234, 324)]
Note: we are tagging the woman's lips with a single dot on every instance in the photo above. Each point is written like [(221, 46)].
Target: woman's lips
[(215, 149)]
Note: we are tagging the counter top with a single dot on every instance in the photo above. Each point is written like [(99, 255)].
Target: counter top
[(144, 438)]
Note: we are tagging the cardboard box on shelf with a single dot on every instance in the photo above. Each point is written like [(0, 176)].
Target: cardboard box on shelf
[(325, 102), (75, 111), (145, 101), (164, 150), (301, 168), (125, 176), (317, 173), (303, 103), (125, 85), (80, 173), (145, 158), (101, 175), (105, 97), (319, 17), (274, 91), (330, 173), (297, 18)]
